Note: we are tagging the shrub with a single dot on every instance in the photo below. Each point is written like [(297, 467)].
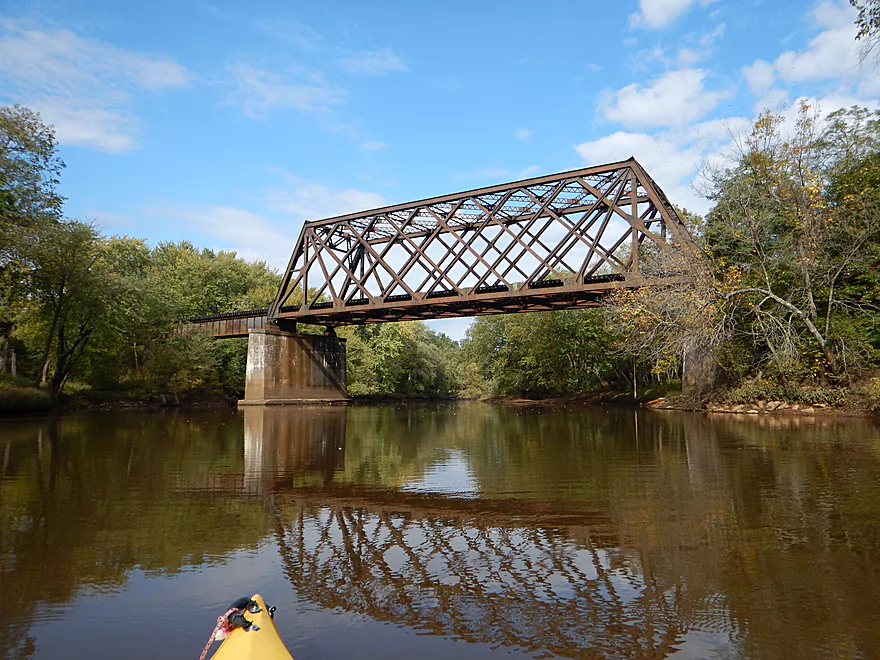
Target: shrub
[(873, 390), (16, 400), (767, 391)]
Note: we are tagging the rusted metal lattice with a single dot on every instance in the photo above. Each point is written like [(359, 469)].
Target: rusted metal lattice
[(552, 242)]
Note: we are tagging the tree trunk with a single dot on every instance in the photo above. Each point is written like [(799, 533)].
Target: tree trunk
[(4, 354), (635, 391), (67, 358), (699, 370), (44, 361)]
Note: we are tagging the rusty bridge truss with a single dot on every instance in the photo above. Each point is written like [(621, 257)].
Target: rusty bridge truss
[(553, 242)]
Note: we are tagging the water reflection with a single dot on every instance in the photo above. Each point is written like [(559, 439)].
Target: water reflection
[(280, 446), (85, 500), (604, 533)]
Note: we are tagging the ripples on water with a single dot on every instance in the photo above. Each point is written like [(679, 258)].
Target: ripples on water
[(463, 530)]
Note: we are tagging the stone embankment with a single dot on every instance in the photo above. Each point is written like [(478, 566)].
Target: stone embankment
[(767, 406), (757, 407)]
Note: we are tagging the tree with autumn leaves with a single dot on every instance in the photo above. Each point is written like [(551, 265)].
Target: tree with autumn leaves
[(788, 283)]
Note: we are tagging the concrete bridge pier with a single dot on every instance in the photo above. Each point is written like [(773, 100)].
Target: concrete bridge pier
[(288, 368)]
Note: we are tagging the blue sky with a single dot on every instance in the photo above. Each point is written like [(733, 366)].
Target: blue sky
[(230, 124)]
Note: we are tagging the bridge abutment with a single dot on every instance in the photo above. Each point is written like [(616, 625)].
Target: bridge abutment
[(286, 368)]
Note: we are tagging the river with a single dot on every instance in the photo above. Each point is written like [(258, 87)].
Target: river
[(461, 530)]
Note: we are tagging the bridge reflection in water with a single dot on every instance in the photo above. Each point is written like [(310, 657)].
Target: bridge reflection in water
[(519, 573)]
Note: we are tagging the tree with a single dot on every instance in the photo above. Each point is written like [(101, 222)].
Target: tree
[(200, 281), (868, 23), (779, 222), (80, 285), (543, 352), (675, 328), (404, 358), (29, 170), (794, 227)]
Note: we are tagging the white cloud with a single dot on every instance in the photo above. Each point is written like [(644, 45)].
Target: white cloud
[(688, 57), (523, 133), (673, 99), (833, 53), (672, 157), (306, 200), (656, 14), (699, 49), (80, 123), (759, 76), (373, 146), (251, 235), (661, 156), (259, 91), (531, 170), (772, 99), (640, 60), (375, 63), (83, 87)]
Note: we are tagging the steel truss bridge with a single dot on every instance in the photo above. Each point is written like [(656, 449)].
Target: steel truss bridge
[(561, 241)]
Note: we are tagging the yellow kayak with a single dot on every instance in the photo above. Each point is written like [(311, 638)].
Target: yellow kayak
[(262, 644)]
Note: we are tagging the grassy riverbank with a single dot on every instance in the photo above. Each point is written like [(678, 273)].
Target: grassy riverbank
[(18, 397)]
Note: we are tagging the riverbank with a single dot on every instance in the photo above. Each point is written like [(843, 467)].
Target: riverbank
[(860, 400), (857, 401), (17, 399), (20, 400)]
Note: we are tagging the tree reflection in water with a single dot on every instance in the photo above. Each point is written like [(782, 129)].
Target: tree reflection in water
[(602, 533)]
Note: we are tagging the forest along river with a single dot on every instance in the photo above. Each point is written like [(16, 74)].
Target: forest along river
[(443, 531)]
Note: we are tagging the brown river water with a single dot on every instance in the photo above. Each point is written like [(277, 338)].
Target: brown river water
[(440, 531)]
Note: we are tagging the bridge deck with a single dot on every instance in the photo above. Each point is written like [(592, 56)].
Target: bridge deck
[(228, 324)]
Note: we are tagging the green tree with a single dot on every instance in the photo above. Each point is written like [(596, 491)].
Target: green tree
[(80, 285), (186, 281), (544, 352), (401, 358), (791, 237), (200, 281), (29, 170)]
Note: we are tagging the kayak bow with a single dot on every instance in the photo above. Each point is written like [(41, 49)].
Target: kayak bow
[(260, 642)]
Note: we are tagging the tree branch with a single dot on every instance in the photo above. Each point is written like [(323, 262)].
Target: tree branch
[(823, 345)]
